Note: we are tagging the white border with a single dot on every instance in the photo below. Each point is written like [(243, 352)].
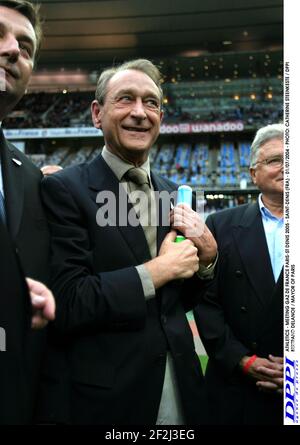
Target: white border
[(291, 195)]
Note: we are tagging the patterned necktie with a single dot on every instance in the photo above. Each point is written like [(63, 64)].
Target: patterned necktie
[(2, 209), (145, 208)]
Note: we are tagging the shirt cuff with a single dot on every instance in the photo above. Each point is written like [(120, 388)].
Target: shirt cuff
[(146, 280), (207, 272)]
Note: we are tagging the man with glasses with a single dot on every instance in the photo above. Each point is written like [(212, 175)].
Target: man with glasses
[(240, 317)]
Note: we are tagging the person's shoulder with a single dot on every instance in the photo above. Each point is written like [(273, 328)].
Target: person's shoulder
[(21, 158), (67, 174)]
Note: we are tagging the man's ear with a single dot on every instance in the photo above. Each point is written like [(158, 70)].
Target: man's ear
[(252, 172), (96, 113), (161, 116)]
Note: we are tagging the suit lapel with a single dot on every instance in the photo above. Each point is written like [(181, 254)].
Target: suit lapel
[(13, 185), (102, 178), (168, 294), (252, 245), (163, 208)]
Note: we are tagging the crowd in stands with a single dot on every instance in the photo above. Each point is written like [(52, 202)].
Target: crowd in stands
[(210, 101), (254, 114), (198, 165), (253, 103), (51, 110)]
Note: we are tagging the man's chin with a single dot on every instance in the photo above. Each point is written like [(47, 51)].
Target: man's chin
[(134, 154), (137, 149), (138, 146), (12, 87)]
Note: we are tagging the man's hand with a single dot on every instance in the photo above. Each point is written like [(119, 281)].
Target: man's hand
[(43, 304), (189, 223), (268, 373), (276, 385), (50, 169), (175, 261)]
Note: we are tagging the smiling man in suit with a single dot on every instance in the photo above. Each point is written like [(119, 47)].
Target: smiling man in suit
[(240, 318), (24, 227), (123, 290)]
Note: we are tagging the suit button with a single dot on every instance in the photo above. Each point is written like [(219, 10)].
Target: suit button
[(17, 250), (254, 345), (164, 319), (160, 358), (243, 309), (238, 273)]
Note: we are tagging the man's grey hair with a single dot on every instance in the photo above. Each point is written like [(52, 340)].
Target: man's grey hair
[(143, 65), (263, 135)]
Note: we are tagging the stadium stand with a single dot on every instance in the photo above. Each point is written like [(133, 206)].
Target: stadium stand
[(200, 94), (255, 102)]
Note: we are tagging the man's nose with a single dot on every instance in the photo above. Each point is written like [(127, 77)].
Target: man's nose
[(138, 110), (9, 48)]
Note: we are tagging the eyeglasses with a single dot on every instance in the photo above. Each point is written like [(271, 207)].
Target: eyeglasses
[(273, 162)]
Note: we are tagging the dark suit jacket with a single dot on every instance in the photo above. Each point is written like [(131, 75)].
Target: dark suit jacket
[(115, 341), (241, 314), (29, 234), (14, 325)]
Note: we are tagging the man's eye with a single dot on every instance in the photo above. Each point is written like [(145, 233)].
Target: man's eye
[(152, 103), (125, 98), (26, 49), (275, 161)]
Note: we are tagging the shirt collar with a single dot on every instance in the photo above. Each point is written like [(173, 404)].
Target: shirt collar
[(265, 212), (119, 166)]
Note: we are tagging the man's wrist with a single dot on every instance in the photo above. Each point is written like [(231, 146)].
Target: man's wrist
[(211, 264), (248, 363)]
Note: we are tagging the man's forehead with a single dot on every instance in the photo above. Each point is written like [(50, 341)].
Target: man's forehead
[(273, 143), (17, 22), (133, 79)]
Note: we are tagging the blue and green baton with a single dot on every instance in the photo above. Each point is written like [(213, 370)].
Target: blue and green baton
[(184, 196)]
